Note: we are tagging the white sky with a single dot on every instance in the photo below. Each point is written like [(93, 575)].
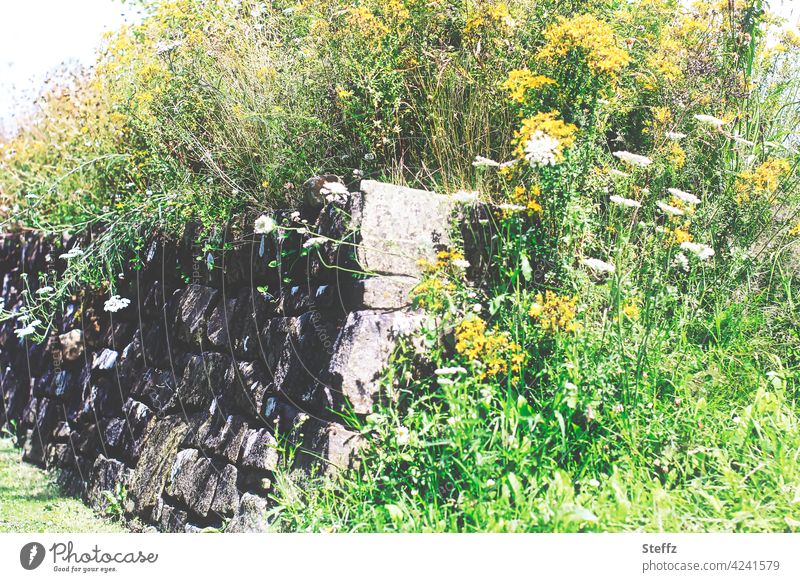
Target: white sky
[(36, 36)]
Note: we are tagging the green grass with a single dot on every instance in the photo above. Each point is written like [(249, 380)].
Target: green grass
[(31, 502)]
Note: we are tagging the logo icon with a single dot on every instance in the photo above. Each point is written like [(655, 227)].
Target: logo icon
[(31, 555)]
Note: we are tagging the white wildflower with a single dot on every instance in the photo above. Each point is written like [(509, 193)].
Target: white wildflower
[(701, 251), (295, 215), (625, 201), (633, 159), (44, 290), (333, 188), (460, 263), (598, 266), (477, 308), (403, 435), (490, 482), (115, 303), (593, 483), (466, 197), (508, 164), (668, 209), (620, 173), (618, 408), (511, 207), (541, 149), (715, 122), (444, 381), (25, 331), (482, 162), (675, 135), (741, 141), (450, 371), (71, 254), (313, 242), (681, 262), (687, 197), (264, 224)]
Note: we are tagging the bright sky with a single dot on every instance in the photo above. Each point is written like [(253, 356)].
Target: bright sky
[(36, 36)]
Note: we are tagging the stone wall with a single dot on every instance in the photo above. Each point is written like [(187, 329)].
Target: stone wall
[(192, 395)]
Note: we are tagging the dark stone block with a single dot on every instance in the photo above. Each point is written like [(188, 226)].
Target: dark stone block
[(194, 307), (203, 378), (260, 451)]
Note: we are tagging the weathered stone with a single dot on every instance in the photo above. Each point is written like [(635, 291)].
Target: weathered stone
[(104, 360), (158, 452), (259, 451), (306, 353), (223, 437), (393, 246), (155, 388), (137, 417), (335, 444), (251, 515), (388, 292), (106, 475), (226, 496), (317, 188), (71, 345), (195, 480), (205, 375), (362, 351), (196, 303), (248, 384)]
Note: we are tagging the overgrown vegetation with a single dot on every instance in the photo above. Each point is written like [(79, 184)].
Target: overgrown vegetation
[(632, 362)]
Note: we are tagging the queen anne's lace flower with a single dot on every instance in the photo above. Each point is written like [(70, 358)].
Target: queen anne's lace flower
[(669, 209), (482, 162), (710, 120), (630, 203), (598, 266), (687, 197), (701, 251), (541, 149), (675, 135), (633, 159), (681, 262)]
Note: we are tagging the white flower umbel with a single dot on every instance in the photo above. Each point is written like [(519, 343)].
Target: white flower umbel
[(633, 159), (264, 224), (701, 251), (620, 173), (73, 253), (683, 196), (681, 261), (115, 303), (598, 266), (482, 162), (714, 122), (25, 331), (450, 371), (44, 290), (314, 242), (669, 209), (541, 149), (403, 435), (460, 264), (466, 197), (622, 201), (675, 135)]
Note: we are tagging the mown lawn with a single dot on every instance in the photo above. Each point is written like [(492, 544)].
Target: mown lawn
[(31, 502)]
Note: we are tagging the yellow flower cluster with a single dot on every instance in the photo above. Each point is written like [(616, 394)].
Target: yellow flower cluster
[(430, 293), (676, 155), (520, 81), (554, 312), (444, 259), (763, 182), (795, 230), (494, 351), (593, 38), (491, 16), (367, 24), (678, 235), (632, 308), (549, 124), (529, 198)]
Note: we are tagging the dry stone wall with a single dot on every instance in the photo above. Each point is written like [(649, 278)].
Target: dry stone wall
[(190, 397)]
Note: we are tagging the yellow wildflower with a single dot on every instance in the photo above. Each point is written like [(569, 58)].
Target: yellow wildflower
[(795, 231), (763, 182), (591, 38), (520, 81), (546, 124), (554, 312)]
